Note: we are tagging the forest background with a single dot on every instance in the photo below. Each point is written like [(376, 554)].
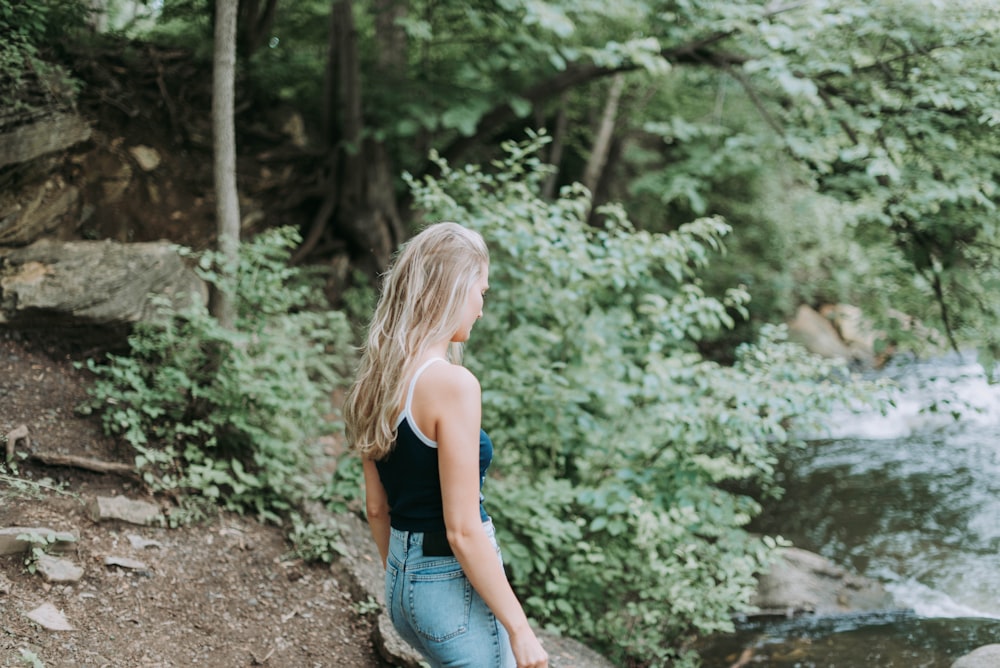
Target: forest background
[(660, 183)]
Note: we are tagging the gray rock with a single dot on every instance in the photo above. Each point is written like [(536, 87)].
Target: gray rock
[(42, 136), (104, 508), (125, 562), (37, 210), (79, 283), (987, 656), (57, 570), (140, 543), (50, 617), (804, 582)]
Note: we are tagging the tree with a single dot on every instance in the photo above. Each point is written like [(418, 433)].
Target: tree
[(879, 114), (227, 207), (842, 90)]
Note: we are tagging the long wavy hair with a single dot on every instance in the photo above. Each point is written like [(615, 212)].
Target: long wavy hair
[(423, 295)]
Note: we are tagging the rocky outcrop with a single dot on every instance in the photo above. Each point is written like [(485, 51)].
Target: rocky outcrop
[(838, 331), (804, 582), (86, 283), (41, 136), (987, 656)]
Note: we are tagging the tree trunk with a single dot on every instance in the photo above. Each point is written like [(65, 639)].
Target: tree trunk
[(254, 24), (360, 197), (390, 38), (602, 142), (556, 149), (227, 205)]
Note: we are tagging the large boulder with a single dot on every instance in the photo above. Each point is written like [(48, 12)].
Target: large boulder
[(37, 210), (804, 582), (92, 283), (817, 334), (44, 134), (987, 656)]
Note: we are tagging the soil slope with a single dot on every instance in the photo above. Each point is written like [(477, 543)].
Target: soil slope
[(222, 593)]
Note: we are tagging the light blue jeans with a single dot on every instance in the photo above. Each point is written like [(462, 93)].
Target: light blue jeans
[(435, 608)]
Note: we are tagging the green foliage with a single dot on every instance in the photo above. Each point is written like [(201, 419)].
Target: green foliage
[(39, 542), (15, 486), (892, 105), (347, 483), (233, 415), (28, 28), (29, 658), (368, 607), (618, 444), (315, 542)]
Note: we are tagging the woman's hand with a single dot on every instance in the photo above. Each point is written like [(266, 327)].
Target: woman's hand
[(528, 651)]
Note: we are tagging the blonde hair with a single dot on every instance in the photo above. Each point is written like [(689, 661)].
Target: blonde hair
[(423, 295)]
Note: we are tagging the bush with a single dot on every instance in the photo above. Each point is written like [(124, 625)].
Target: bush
[(235, 416), (619, 448)]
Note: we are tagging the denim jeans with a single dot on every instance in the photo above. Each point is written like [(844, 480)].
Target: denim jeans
[(435, 608)]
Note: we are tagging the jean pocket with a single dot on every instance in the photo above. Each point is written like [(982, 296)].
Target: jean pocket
[(440, 600)]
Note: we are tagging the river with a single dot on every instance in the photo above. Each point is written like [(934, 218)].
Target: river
[(911, 499)]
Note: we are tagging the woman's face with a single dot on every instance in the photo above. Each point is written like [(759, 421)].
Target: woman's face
[(473, 309)]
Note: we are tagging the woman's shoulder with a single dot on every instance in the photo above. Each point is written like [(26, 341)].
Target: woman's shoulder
[(449, 379)]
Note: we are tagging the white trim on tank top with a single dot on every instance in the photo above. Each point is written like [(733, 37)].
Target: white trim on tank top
[(407, 413)]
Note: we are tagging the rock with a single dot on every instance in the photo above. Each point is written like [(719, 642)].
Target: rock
[(104, 508), (44, 135), (125, 562), (804, 582), (4, 585), (817, 334), (36, 210), (987, 656), (568, 653), (856, 332), (58, 571), (147, 157), (140, 543), (93, 283), (48, 616), (56, 541)]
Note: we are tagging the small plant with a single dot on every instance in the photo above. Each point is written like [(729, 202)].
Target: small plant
[(369, 606), (315, 542), (18, 487), (345, 486), (29, 658), (38, 544)]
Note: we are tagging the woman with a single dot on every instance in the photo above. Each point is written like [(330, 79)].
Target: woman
[(414, 415)]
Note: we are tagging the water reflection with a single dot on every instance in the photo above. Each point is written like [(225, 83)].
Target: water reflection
[(896, 640)]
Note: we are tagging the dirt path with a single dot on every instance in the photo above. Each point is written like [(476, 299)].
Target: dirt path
[(224, 593)]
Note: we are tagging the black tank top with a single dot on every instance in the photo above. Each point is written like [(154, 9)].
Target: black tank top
[(410, 472)]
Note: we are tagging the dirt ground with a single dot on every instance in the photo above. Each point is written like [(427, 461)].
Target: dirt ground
[(225, 593)]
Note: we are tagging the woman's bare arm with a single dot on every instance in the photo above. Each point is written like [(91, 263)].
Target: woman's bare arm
[(456, 405), (377, 507)]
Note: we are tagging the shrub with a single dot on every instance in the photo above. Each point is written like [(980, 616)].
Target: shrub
[(235, 416), (620, 450)]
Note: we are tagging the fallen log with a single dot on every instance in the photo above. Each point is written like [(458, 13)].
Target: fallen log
[(85, 463)]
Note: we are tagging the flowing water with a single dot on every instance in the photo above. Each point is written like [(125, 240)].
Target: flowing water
[(911, 499)]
